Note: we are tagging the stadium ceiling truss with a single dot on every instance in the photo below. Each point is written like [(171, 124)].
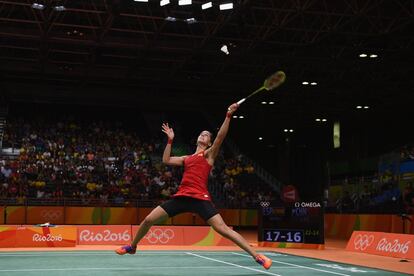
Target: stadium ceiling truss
[(99, 47)]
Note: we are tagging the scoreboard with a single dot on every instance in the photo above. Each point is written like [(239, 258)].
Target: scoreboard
[(293, 223)]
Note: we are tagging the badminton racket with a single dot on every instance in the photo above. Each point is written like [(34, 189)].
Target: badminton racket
[(270, 83)]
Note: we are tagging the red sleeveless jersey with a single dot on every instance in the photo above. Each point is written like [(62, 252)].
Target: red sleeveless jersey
[(195, 177)]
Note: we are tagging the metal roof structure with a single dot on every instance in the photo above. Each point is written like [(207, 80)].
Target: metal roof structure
[(126, 52)]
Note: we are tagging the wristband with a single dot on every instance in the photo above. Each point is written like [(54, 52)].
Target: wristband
[(169, 141)]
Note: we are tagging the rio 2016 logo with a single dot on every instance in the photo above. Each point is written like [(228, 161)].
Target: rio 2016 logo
[(362, 242), (46, 238), (160, 236), (106, 236)]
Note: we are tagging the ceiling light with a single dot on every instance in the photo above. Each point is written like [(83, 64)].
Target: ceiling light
[(260, 138), (317, 119), (366, 107), (290, 130), (38, 6), (235, 116), (324, 120), (286, 130), (241, 117), (227, 6), (225, 50), (271, 102), (363, 55), (191, 20), (207, 5), (359, 107), (305, 83), (373, 55), (59, 8), (171, 19), (264, 102), (164, 2), (184, 2), (314, 83), (141, 0)]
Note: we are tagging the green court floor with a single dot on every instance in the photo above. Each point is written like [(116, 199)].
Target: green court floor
[(158, 263)]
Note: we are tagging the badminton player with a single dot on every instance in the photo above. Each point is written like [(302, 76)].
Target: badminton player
[(192, 195)]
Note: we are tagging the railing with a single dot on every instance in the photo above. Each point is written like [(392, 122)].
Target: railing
[(3, 114), (236, 204)]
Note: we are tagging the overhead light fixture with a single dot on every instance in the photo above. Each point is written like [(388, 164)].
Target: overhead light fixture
[(313, 83), (305, 83), (271, 102), (225, 50), (286, 130), (241, 117), (171, 19), (164, 2), (317, 119), (363, 55), (235, 116), (226, 6), (59, 8), (191, 20), (359, 107), (264, 102), (207, 5), (260, 138), (366, 107), (184, 2), (373, 56), (324, 120), (38, 6), (290, 130)]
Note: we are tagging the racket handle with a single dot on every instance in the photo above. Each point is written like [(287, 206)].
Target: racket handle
[(241, 101)]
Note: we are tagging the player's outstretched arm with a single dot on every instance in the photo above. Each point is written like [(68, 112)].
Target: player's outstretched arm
[(166, 157), (215, 148)]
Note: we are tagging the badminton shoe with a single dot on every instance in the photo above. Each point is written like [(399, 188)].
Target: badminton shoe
[(264, 261), (126, 249)]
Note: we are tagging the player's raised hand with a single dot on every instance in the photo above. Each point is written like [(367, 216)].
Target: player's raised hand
[(168, 131)]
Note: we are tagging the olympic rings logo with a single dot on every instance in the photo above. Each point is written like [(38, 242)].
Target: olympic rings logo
[(51, 214), (159, 235), (264, 204), (362, 242)]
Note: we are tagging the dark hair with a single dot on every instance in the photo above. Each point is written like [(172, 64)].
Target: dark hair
[(211, 136)]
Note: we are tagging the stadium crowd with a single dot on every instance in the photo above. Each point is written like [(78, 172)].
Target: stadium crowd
[(103, 163)]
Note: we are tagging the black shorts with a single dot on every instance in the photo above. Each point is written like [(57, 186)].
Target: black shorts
[(182, 204)]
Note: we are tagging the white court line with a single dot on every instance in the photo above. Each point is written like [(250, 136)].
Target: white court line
[(121, 268), (301, 266), (236, 265), (75, 254), (139, 253)]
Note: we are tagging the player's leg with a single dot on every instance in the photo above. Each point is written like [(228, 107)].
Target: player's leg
[(169, 208), (220, 227), (208, 212), (157, 215)]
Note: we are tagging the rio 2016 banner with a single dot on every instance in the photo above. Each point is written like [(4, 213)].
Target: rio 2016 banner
[(182, 235), (22, 236), (380, 243), (104, 235)]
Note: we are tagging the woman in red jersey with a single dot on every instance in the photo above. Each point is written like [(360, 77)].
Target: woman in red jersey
[(192, 195)]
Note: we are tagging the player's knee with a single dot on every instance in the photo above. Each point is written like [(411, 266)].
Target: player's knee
[(223, 229), (148, 221)]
